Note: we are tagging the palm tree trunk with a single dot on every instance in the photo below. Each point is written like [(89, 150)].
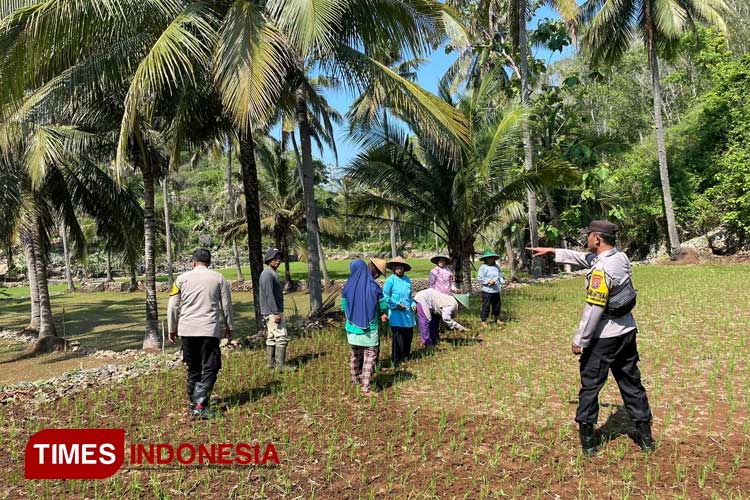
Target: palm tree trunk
[(511, 257), (323, 266), (28, 249), (9, 256), (151, 339), (437, 242), (674, 238), (249, 170), (311, 212), (288, 285), (167, 229), (48, 340), (109, 265), (230, 196), (133, 276), (66, 258), (394, 243), (528, 152)]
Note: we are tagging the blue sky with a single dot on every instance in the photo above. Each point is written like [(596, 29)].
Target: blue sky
[(428, 77)]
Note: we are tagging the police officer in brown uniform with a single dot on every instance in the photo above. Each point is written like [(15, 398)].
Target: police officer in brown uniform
[(606, 336), (200, 312)]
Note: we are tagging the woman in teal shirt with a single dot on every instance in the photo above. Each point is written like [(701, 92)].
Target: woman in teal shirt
[(397, 293), (361, 300)]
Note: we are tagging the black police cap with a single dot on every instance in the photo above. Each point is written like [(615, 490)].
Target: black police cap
[(601, 226)]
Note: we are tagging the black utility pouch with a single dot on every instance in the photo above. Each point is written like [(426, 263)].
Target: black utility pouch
[(622, 300)]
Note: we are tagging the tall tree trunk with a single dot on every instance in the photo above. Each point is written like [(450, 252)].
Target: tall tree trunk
[(48, 340), (323, 266), (394, 243), (674, 238), (288, 284), (311, 212), (528, 152), (152, 339), (109, 265), (133, 276), (167, 228), (437, 241), (511, 257), (9, 256), (66, 258), (28, 249), (230, 196), (249, 170)]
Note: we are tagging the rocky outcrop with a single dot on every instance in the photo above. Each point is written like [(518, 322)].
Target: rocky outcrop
[(722, 241)]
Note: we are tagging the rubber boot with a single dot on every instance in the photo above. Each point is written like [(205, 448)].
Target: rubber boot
[(589, 442), (281, 359), (201, 400), (270, 354), (192, 380), (644, 438)]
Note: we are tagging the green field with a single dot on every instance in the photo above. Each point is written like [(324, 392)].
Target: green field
[(472, 419)]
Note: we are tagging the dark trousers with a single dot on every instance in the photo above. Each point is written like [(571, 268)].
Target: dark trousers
[(619, 354), (401, 343), (490, 300), (202, 356)]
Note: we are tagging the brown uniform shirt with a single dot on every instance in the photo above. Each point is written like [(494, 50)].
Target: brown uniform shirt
[(200, 304)]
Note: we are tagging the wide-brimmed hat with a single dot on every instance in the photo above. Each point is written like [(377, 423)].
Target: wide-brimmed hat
[(436, 258), (379, 264), (462, 298), (600, 226), (487, 254), (271, 254), (398, 261)]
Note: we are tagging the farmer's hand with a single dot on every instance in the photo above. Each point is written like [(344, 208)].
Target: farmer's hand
[(384, 318), (172, 337), (577, 350), (277, 318), (401, 307), (228, 333), (540, 251)]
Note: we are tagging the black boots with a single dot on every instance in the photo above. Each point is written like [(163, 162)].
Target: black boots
[(643, 437), (201, 400), (589, 441), (270, 356)]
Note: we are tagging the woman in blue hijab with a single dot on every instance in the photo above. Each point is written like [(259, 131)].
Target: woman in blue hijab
[(361, 301)]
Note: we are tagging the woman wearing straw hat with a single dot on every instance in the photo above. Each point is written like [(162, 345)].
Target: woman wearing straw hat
[(432, 306), (361, 300), (492, 281), (397, 293), (441, 277)]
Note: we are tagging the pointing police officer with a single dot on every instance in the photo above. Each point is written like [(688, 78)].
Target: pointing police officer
[(606, 335)]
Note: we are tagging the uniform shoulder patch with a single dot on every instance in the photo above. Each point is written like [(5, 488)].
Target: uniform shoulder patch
[(597, 292), (174, 290)]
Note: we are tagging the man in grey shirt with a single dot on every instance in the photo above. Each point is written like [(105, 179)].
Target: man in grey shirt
[(200, 312), (272, 310), (606, 338)]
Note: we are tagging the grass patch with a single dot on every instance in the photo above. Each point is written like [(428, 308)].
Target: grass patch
[(468, 420)]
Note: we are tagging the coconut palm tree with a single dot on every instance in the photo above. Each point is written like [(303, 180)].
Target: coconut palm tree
[(613, 25), (461, 195)]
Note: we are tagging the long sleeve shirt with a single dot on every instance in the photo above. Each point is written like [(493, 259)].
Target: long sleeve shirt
[(439, 303), (488, 274), (397, 292), (271, 293), (441, 279), (607, 271), (200, 304)]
